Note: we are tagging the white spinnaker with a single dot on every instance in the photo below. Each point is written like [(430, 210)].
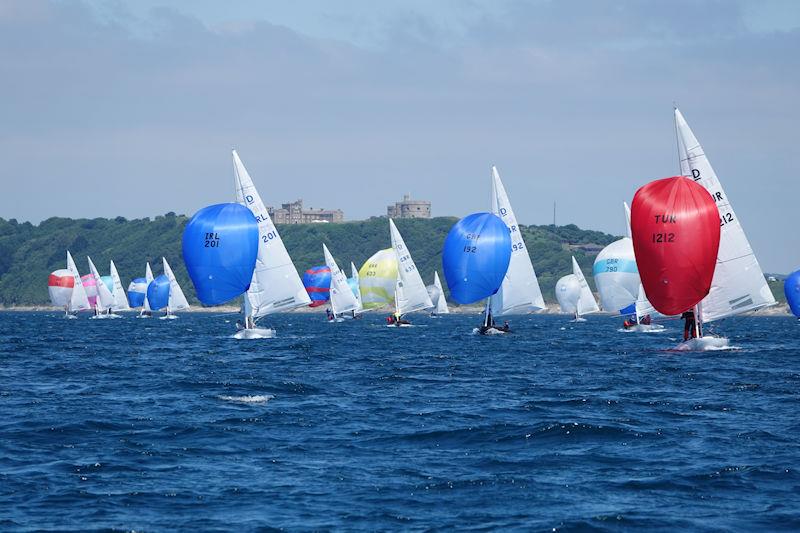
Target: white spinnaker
[(357, 293), (568, 292), (120, 298), (410, 292), (738, 284), (148, 276), (275, 286), (520, 291), (104, 297), (78, 301), (586, 303), (341, 295), (177, 300), (441, 304), (616, 275)]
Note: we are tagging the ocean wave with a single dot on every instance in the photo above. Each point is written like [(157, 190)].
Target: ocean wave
[(256, 398)]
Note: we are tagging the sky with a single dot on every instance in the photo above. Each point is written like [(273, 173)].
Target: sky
[(131, 107)]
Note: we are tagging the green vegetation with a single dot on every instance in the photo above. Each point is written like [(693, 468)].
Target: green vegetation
[(29, 253)]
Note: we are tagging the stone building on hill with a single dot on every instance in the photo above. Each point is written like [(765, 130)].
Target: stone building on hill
[(408, 208), (294, 213)]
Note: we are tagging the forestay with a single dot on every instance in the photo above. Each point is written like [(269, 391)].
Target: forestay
[(275, 286), (738, 284), (342, 298), (410, 292), (520, 291)]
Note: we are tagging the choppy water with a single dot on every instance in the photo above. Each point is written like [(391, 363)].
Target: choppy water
[(164, 425)]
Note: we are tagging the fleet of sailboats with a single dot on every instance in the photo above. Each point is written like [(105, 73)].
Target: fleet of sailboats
[(498, 269)]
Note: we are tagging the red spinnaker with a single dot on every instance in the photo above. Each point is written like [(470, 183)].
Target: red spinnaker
[(675, 230)]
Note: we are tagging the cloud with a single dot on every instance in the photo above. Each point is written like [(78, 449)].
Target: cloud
[(570, 99)]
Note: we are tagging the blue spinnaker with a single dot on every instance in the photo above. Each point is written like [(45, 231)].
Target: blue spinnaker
[(791, 287), (136, 292), (220, 247), (475, 257), (158, 293), (317, 281)]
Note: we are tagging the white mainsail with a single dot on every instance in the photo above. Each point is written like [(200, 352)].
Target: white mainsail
[(410, 292), (120, 298), (78, 300), (738, 284), (177, 300), (341, 295), (520, 291), (441, 303), (357, 292), (148, 276), (275, 286), (104, 299), (586, 303)]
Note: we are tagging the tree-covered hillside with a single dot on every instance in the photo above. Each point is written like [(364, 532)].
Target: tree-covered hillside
[(29, 253)]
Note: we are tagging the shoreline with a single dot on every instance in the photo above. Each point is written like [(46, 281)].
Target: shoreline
[(550, 309)]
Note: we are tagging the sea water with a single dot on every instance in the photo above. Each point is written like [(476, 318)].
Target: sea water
[(163, 425)]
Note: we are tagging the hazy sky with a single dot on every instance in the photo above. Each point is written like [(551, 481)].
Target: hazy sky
[(131, 107)]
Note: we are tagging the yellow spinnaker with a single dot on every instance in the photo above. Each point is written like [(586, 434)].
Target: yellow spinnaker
[(378, 277)]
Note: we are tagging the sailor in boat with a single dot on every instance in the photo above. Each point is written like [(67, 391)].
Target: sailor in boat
[(631, 321), (490, 324), (689, 325), (329, 314), (396, 320)]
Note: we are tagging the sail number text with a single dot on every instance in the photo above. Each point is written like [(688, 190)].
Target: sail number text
[(212, 240)]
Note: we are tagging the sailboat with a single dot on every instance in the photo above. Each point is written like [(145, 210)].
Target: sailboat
[(77, 301), (738, 285), (146, 312), (520, 291), (177, 300), (105, 299), (617, 278), (275, 286), (574, 295), (410, 293), (475, 257), (355, 285), (436, 292), (676, 237), (342, 298), (120, 298)]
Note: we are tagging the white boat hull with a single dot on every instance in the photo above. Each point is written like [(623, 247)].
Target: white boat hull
[(255, 333), (645, 328), (169, 317), (702, 344)]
